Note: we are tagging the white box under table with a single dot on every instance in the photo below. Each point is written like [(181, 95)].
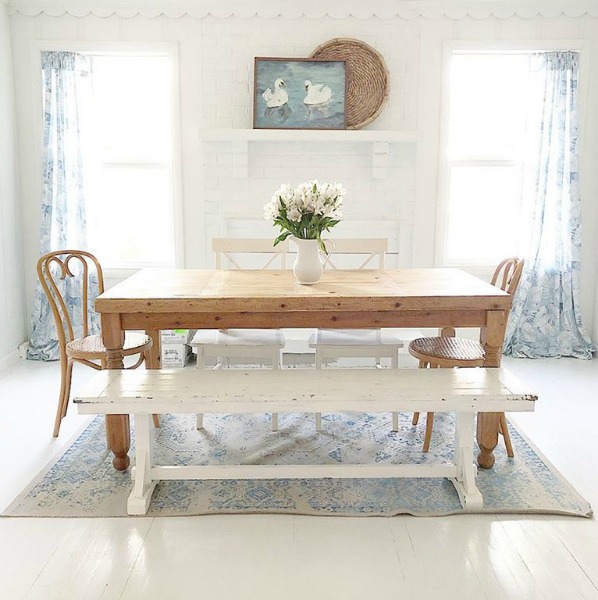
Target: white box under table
[(462, 391)]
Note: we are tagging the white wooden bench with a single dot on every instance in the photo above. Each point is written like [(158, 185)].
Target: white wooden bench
[(463, 391)]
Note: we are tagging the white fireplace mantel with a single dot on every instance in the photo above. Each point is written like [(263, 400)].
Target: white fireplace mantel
[(310, 135), (241, 139)]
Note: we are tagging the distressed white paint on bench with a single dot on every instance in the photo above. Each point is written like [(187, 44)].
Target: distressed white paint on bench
[(464, 391)]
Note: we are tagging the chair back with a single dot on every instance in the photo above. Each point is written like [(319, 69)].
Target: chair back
[(69, 278), (360, 253), (508, 274), (228, 252)]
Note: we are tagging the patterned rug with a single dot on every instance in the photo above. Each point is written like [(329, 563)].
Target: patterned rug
[(82, 482)]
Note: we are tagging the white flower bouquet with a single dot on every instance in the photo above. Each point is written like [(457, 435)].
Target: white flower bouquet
[(305, 211)]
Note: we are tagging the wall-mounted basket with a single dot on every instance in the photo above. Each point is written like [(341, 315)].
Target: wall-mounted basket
[(367, 78)]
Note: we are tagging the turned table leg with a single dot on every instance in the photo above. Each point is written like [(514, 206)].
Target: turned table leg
[(492, 338), (118, 434), (487, 436)]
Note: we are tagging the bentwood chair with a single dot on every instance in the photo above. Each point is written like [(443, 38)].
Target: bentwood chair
[(331, 344), (80, 273), (256, 345), (447, 351)]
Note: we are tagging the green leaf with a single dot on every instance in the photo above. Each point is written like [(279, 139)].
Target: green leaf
[(282, 237)]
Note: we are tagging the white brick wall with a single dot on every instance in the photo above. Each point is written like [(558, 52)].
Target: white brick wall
[(384, 207), (216, 89), (373, 206)]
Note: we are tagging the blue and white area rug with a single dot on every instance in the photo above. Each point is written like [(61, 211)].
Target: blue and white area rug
[(82, 483)]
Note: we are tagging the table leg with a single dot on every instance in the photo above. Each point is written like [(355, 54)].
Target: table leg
[(113, 338), (492, 337), (487, 436), (118, 435), (154, 356)]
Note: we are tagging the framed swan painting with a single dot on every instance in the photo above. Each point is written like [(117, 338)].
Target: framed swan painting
[(299, 93)]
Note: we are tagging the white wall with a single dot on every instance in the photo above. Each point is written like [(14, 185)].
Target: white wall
[(12, 311), (216, 86)]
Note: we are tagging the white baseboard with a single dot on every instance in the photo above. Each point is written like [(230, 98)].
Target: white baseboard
[(22, 349), (9, 361)]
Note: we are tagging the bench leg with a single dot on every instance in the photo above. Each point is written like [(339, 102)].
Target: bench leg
[(469, 494), (275, 366), (200, 364), (143, 488)]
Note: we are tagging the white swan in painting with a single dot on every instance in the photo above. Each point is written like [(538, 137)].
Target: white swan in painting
[(278, 96), (317, 93)]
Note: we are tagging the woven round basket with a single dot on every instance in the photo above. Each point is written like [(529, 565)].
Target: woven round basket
[(367, 78)]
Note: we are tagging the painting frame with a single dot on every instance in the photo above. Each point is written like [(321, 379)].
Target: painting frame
[(299, 93)]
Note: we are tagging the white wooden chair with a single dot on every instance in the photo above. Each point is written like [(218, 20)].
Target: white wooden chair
[(256, 345), (331, 344)]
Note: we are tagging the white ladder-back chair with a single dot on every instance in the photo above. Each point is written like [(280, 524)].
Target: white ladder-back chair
[(365, 253), (259, 345)]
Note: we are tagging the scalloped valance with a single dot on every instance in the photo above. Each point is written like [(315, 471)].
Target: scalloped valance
[(313, 9)]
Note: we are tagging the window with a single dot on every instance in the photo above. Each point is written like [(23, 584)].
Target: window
[(129, 158), (487, 126)]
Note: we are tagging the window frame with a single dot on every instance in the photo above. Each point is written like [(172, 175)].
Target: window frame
[(170, 49), (444, 164)]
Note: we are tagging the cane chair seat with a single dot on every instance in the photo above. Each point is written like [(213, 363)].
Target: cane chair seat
[(448, 351), (91, 347)]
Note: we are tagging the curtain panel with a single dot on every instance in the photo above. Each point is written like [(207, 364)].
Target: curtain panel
[(546, 319), (66, 92)]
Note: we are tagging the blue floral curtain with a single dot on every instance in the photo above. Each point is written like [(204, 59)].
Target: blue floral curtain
[(66, 88), (546, 320)]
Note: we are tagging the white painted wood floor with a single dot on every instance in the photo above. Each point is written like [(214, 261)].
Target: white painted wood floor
[(295, 557)]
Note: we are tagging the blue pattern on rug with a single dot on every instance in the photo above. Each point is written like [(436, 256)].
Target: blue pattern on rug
[(83, 483)]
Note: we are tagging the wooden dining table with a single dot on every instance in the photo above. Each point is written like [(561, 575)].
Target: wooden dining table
[(158, 299)]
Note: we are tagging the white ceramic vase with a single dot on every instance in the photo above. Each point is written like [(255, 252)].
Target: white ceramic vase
[(308, 266)]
